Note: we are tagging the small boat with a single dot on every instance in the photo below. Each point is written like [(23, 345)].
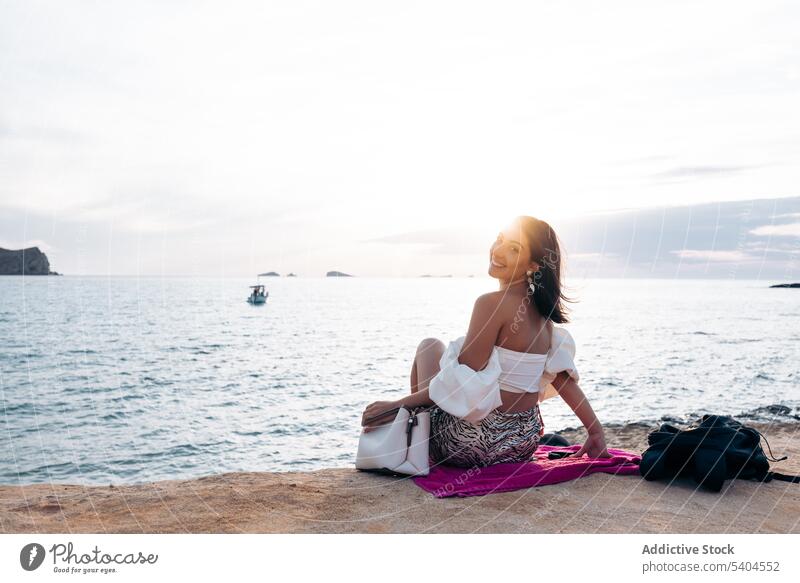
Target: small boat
[(258, 295)]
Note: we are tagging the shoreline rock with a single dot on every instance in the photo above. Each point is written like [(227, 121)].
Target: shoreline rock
[(344, 500)]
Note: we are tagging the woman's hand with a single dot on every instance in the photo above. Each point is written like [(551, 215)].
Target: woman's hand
[(377, 408), (595, 446)]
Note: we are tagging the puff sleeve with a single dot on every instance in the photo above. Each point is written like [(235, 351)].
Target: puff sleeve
[(462, 391), (560, 358)]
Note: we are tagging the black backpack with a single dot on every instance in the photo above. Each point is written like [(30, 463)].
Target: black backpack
[(719, 448)]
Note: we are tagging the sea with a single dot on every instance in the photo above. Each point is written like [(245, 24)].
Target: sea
[(112, 380)]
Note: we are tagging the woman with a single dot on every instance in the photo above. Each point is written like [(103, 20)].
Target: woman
[(485, 388)]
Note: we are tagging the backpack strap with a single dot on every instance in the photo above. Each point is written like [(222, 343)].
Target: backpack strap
[(771, 457), (782, 477)]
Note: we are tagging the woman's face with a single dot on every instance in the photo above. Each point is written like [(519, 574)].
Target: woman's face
[(509, 255)]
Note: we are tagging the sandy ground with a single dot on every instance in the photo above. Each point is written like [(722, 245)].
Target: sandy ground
[(347, 501)]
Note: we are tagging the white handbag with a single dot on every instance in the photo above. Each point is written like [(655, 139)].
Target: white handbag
[(399, 447)]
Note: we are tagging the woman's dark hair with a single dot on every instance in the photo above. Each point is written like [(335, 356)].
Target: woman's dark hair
[(546, 251)]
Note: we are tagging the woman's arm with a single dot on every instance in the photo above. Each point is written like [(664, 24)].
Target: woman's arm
[(484, 326), (418, 399), (573, 396)]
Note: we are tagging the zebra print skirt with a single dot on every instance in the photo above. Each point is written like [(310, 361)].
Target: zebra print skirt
[(501, 437)]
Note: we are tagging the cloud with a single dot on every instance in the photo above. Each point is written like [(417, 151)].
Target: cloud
[(711, 255), (42, 133), (697, 172), (445, 241), (14, 245), (788, 230), (643, 160), (591, 256), (771, 246), (329, 124)]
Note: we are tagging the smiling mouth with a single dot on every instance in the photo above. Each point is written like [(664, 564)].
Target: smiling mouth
[(496, 264)]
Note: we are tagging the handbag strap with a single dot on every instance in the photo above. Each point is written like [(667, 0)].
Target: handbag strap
[(412, 410), (384, 414)]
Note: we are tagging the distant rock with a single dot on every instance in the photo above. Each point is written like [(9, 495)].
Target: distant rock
[(292, 275), (337, 274), (786, 285), (269, 274), (770, 412), (30, 261)]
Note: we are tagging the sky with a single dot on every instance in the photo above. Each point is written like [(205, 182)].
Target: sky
[(229, 138)]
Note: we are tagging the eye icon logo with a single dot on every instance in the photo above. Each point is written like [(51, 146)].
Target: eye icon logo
[(31, 556)]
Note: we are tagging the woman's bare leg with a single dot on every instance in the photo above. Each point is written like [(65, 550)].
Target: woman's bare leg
[(426, 363)]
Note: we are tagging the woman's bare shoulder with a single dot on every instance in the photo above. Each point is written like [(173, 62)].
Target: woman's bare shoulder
[(498, 304)]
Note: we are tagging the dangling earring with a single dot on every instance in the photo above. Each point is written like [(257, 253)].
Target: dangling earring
[(531, 284)]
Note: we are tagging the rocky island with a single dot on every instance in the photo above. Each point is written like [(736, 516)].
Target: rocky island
[(793, 285), (337, 274), (30, 261)]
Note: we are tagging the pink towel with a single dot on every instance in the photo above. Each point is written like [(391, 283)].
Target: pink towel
[(444, 481)]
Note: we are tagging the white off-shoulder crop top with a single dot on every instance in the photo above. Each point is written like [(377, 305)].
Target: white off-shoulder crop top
[(472, 395)]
